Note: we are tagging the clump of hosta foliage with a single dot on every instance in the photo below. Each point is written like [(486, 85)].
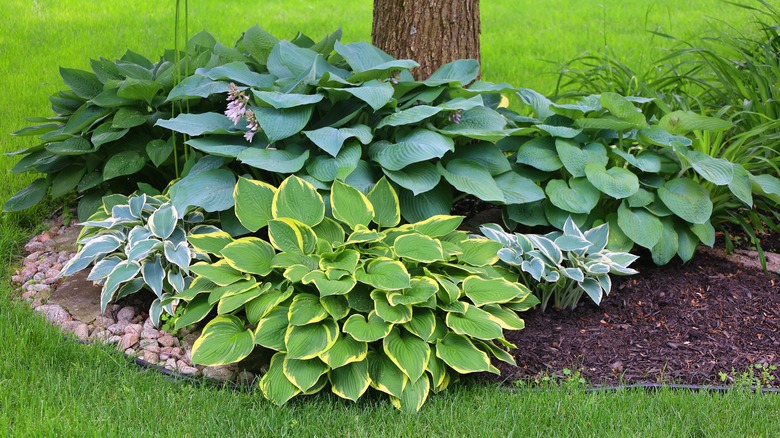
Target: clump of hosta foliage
[(326, 111), (600, 160), (134, 243), (563, 265), (351, 300)]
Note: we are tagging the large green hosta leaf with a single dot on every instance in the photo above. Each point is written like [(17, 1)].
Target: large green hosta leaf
[(275, 385), (418, 146), (475, 323), (493, 291), (575, 157), (578, 196), (350, 381), (224, 340), (370, 329), (304, 374), (616, 182), (461, 355), (253, 203), (311, 340), (419, 247), (385, 375), (687, 199), (469, 177), (384, 273), (350, 205), (211, 190), (278, 124), (414, 395), (346, 350), (408, 352), (332, 139), (299, 200), (199, 124), (272, 160), (639, 225), (250, 255)]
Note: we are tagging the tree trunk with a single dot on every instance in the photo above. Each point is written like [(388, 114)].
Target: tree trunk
[(431, 32)]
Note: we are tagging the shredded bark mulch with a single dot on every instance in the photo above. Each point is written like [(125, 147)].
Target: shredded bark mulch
[(673, 324)]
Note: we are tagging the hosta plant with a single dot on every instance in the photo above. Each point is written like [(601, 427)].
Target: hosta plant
[(600, 160), (133, 243), (563, 265), (102, 137), (347, 298)]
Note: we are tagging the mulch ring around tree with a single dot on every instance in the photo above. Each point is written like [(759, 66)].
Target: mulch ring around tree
[(680, 323)]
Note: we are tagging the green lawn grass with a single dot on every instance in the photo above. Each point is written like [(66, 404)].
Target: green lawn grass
[(49, 386)]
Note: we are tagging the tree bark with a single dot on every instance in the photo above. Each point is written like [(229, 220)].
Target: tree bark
[(431, 32)]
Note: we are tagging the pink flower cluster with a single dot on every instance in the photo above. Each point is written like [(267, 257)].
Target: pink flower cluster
[(236, 110)]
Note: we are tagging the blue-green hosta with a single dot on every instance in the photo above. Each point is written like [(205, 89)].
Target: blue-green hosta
[(134, 243), (349, 299), (599, 160), (563, 265)]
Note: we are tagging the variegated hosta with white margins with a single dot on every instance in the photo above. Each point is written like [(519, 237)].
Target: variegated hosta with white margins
[(563, 265), (138, 242)]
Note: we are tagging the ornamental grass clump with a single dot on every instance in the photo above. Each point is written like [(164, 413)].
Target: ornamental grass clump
[(350, 300)]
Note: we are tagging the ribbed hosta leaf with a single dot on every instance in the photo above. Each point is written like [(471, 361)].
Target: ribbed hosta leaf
[(253, 203), (639, 225), (575, 157), (350, 381), (492, 291), (368, 329), (408, 352), (332, 139), (461, 355), (250, 255), (687, 199), (304, 374), (616, 182), (275, 385), (211, 190), (385, 375), (311, 340), (540, 153), (469, 177), (578, 196), (224, 340), (299, 200)]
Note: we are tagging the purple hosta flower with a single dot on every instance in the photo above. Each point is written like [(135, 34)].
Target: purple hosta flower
[(237, 101), (253, 126), (455, 117)]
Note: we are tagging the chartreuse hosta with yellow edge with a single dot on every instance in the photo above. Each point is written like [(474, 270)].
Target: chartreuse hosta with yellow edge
[(348, 298)]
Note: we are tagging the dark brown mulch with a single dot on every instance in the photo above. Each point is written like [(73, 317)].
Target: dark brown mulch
[(674, 324)]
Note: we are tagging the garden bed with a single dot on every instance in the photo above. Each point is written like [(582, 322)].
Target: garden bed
[(703, 323)]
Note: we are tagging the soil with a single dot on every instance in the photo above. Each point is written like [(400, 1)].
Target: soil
[(680, 323)]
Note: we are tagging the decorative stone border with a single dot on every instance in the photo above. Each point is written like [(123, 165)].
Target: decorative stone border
[(73, 304)]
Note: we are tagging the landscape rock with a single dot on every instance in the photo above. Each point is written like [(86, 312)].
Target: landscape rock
[(128, 340), (118, 328), (223, 373), (166, 340), (54, 313), (126, 313), (79, 296), (151, 357), (189, 371), (134, 329), (150, 333), (149, 344)]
